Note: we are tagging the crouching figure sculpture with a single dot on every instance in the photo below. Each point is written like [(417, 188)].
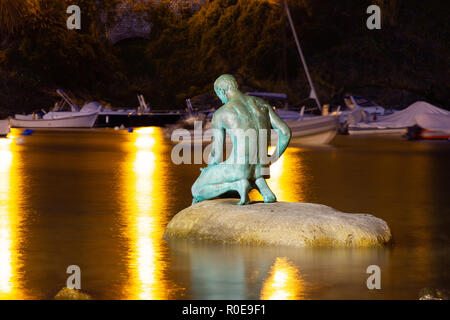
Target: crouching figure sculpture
[(248, 121)]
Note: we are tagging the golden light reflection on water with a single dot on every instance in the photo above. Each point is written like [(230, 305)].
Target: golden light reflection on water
[(284, 282), (287, 179), (9, 221), (144, 199)]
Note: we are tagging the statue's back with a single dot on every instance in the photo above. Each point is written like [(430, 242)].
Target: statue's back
[(250, 113), (249, 124)]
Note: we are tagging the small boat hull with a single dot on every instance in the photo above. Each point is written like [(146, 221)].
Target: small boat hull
[(4, 128), (76, 121), (312, 131), (376, 131), (434, 135), (309, 131), (418, 133)]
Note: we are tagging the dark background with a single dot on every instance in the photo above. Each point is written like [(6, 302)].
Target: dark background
[(187, 49)]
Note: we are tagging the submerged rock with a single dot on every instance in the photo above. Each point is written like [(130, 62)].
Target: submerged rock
[(434, 294), (71, 294), (280, 223)]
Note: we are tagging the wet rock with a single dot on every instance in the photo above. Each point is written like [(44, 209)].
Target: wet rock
[(71, 294), (280, 223), (434, 294)]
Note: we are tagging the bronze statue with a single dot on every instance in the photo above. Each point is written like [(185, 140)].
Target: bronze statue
[(248, 121)]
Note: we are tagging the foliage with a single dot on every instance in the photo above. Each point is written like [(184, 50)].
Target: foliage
[(13, 13), (187, 50)]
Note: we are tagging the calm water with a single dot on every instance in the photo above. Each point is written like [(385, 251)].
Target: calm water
[(101, 200)]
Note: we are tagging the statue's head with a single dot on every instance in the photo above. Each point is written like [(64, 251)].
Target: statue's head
[(225, 84)]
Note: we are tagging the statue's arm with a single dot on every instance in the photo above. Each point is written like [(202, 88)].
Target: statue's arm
[(216, 154), (283, 131)]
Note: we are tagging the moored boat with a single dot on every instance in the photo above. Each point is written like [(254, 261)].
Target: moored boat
[(58, 118), (4, 128), (369, 107), (306, 131), (52, 120), (398, 122), (309, 131)]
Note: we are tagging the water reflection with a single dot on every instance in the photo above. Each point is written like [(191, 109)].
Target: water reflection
[(9, 220), (113, 228), (287, 177), (284, 282), (144, 215), (218, 271)]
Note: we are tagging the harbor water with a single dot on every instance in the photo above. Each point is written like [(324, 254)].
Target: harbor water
[(100, 199)]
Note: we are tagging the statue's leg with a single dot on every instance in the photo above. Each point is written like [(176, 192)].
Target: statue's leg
[(243, 187), (265, 190), (219, 179), (211, 191)]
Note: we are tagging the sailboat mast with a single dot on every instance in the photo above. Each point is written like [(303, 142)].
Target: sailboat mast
[(313, 93)]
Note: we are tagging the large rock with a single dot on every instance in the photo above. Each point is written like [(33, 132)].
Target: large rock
[(71, 294), (280, 223)]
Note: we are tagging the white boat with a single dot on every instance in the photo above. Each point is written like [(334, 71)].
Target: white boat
[(4, 128), (309, 131), (52, 120), (306, 131), (398, 122), (359, 109), (75, 118), (369, 107)]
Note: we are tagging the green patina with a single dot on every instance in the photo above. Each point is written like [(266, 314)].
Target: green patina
[(247, 167)]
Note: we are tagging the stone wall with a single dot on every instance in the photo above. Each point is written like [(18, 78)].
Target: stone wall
[(131, 20)]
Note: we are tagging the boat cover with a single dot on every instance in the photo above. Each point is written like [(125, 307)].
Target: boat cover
[(433, 122), (405, 118)]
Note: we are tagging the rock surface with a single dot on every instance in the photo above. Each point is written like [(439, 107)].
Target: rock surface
[(280, 223), (71, 294)]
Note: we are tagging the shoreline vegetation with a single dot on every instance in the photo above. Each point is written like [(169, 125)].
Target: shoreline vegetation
[(407, 60)]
